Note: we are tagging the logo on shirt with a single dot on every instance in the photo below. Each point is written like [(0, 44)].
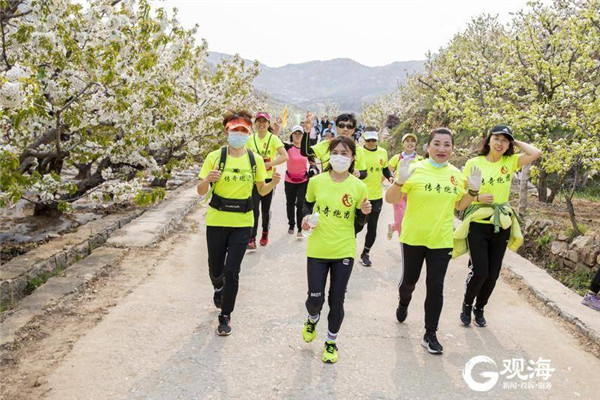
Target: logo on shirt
[(381, 162), (453, 180), (504, 170), (347, 200)]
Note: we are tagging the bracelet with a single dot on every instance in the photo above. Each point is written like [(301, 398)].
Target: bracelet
[(477, 198), (473, 193), (398, 184)]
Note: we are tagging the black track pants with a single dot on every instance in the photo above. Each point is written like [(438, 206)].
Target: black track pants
[(294, 195), (226, 249), (487, 251), (595, 285), (437, 263), (262, 206), (339, 271), (372, 220)]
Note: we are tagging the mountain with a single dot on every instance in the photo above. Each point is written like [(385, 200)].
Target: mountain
[(343, 81)]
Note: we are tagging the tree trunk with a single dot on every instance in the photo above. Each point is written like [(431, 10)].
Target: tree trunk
[(523, 190), (85, 171), (542, 186), (46, 210), (569, 201)]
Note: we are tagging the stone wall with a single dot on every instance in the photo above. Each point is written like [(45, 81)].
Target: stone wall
[(582, 252)]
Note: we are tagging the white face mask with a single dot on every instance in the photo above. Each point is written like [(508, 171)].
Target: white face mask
[(340, 163)]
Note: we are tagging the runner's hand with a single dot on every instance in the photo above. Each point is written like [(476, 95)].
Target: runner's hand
[(213, 175), (276, 126), (391, 179), (356, 173), (475, 179), (366, 207), (404, 171), (276, 178), (305, 225), (486, 198)]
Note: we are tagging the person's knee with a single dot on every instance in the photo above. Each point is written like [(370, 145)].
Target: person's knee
[(314, 302)]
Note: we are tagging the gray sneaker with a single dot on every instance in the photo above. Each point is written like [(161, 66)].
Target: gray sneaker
[(591, 300)]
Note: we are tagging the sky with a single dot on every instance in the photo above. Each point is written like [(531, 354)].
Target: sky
[(374, 33)]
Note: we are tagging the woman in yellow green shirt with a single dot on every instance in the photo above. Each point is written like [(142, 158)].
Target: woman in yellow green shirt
[(433, 189), (339, 198), (271, 149), (409, 145), (231, 173), (487, 241)]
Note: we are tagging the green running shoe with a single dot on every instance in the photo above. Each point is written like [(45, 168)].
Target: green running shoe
[(330, 353), (309, 331)]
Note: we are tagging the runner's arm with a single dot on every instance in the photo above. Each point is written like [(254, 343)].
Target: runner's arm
[(387, 173), (283, 157), (307, 208)]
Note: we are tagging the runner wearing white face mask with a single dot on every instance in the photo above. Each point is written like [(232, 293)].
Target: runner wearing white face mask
[(340, 198)]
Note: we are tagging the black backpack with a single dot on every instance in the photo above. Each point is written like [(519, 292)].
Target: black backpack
[(233, 205)]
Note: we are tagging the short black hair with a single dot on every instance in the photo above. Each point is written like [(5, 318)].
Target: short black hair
[(346, 117)]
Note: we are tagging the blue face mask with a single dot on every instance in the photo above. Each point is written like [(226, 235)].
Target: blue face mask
[(437, 165), (237, 139)]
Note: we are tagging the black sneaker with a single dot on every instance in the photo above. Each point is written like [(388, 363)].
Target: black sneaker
[(479, 319), (465, 315), (224, 329), (431, 343), (401, 312), (218, 298), (365, 260)]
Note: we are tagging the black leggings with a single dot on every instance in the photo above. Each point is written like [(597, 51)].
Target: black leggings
[(226, 249), (487, 251), (294, 194), (340, 271), (262, 204), (595, 285), (372, 220), (437, 263)]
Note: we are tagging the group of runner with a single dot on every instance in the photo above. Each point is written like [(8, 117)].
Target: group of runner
[(334, 203)]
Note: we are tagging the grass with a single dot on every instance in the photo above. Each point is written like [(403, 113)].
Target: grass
[(544, 239), (571, 233), (590, 192), (579, 280), (34, 283)]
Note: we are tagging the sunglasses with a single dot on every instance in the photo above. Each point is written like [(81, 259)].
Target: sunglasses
[(345, 126), (370, 140)]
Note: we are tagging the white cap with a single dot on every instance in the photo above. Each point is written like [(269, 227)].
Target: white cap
[(370, 135), (297, 128)]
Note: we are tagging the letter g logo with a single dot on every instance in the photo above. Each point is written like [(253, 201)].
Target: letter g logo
[(491, 375)]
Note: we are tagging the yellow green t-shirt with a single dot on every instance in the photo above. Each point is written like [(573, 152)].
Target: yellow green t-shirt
[(236, 182), (336, 203), (322, 152), (267, 147), (393, 163), (376, 160), (496, 177), (431, 196)]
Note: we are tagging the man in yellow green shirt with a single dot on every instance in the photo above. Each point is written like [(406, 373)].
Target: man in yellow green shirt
[(376, 159)]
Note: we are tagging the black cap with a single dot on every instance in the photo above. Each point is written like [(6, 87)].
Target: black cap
[(504, 130)]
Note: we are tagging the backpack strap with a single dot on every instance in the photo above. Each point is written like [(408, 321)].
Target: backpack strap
[(252, 162), (223, 158)]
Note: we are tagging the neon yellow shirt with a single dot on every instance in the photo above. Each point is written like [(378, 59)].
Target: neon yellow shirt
[(336, 203), (321, 150), (396, 159), (267, 147), (496, 177), (236, 182), (376, 160), (431, 196)]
